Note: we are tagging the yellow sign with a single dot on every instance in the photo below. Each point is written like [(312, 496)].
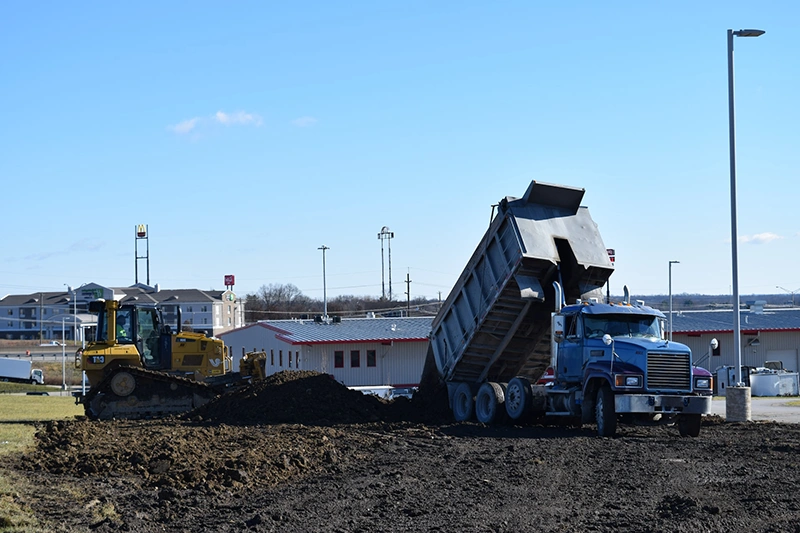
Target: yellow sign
[(141, 231)]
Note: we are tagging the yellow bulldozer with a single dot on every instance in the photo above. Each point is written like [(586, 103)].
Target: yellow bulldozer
[(138, 367)]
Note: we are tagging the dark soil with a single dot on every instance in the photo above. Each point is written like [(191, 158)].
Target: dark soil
[(301, 452)]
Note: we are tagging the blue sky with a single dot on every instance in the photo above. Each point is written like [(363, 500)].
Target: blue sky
[(248, 135)]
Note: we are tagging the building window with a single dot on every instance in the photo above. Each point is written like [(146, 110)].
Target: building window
[(10, 312), (10, 324), (371, 358), (229, 309), (229, 321), (297, 359), (205, 321), (355, 359), (338, 359), (189, 309), (290, 358), (204, 309), (272, 357), (280, 358)]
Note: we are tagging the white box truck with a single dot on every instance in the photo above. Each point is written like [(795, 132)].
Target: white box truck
[(20, 371)]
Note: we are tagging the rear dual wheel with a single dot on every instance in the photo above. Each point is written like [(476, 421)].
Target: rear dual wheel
[(463, 403), (490, 403), (518, 398)]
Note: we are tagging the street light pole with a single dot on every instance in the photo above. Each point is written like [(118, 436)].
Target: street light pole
[(737, 325), (74, 312), (790, 292), (324, 285), (63, 357), (670, 296)]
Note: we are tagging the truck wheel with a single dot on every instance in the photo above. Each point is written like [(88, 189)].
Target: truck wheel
[(518, 398), (489, 402), (604, 413), (463, 404), (689, 425)]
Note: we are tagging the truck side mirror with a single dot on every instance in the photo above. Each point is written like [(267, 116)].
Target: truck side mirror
[(607, 339), (558, 336)]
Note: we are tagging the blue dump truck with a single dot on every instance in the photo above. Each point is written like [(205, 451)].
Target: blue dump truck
[(525, 333)]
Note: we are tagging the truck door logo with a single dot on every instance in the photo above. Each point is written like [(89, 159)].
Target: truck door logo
[(215, 362)]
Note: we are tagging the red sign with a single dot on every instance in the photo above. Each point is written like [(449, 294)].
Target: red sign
[(610, 254), (229, 280)]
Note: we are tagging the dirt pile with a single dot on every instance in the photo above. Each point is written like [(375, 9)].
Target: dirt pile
[(187, 456), (292, 397), (312, 398)]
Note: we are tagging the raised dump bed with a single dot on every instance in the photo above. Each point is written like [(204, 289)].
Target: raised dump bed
[(495, 324)]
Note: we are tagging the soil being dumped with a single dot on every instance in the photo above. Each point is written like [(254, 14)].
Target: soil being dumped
[(300, 452)]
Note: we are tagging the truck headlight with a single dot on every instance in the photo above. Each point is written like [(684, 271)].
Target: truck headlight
[(702, 383), (628, 380)]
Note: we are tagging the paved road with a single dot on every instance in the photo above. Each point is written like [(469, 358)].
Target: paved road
[(765, 409)]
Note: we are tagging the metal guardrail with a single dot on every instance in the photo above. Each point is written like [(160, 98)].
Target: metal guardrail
[(38, 357)]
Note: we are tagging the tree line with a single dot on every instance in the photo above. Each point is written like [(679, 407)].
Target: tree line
[(278, 301)]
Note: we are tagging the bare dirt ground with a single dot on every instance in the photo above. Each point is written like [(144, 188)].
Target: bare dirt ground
[(302, 453)]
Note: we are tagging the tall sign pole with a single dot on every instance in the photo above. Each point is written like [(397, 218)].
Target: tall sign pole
[(142, 234)]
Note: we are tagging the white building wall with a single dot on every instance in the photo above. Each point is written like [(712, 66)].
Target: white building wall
[(398, 363), (752, 355)]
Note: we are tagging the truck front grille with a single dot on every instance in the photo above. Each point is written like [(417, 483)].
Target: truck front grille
[(669, 371)]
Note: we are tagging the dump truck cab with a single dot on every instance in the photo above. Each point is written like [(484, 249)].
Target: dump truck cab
[(623, 346)]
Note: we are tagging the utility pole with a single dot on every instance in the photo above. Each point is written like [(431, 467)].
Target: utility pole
[(408, 294)]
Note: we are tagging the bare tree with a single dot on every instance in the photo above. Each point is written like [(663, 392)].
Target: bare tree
[(276, 301)]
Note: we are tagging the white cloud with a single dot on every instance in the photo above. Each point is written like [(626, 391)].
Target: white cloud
[(238, 117), (186, 126), (760, 238), (304, 122), (220, 117)]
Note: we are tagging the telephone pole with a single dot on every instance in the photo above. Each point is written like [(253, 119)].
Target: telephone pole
[(408, 294)]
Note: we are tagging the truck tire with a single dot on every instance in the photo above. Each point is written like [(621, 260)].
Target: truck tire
[(463, 403), (489, 402), (605, 416), (518, 398), (689, 425)]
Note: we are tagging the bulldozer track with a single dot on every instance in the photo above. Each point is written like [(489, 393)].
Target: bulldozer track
[(152, 395)]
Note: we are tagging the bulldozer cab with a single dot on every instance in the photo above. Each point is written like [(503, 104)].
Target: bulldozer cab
[(140, 326)]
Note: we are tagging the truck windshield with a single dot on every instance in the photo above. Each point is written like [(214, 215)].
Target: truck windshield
[(621, 326)]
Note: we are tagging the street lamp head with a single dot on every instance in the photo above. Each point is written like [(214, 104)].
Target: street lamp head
[(749, 33)]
